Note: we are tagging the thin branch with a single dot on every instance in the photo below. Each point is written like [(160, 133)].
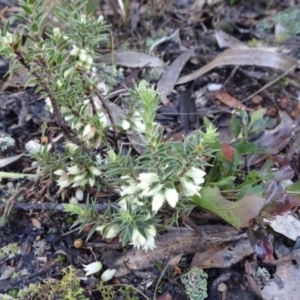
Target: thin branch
[(49, 206)]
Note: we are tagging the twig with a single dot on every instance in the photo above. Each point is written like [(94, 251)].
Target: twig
[(160, 277), (105, 245), (271, 82)]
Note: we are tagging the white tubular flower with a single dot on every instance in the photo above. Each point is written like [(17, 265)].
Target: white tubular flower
[(139, 126), (82, 19), (133, 201), (63, 180), (87, 129), (158, 201), (108, 274), (92, 268), (79, 194), (82, 55), (56, 32), (188, 188), (59, 172), (49, 104), (95, 171), (100, 19), (150, 192), (8, 39), (71, 146), (137, 239), (138, 121), (151, 233), (103, 119), (196, 175), (63, 183), (80, 177), (112, 232), (149, 244), (129, 190), (92, 181), (74, 170), (75, 51), (171, 196), (146, 179), (89, 61)]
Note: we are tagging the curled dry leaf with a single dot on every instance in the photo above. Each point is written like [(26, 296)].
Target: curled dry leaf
[(274, 140), (278, 200)]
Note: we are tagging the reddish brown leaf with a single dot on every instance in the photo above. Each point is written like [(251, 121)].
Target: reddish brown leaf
[(228, 152), (230, 101)]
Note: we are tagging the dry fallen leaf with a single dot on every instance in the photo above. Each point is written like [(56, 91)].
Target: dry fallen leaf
[(286, 224), (226, 40), (166, 83), (9, 160), (247, 57), (132, 59), (175, 242), (222, 255), (287, 269)]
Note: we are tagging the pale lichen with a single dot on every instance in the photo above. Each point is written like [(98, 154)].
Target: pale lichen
[(195, 283)]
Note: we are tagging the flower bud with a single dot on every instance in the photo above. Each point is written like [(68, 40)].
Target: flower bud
[(79, 194), (108, 274)]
